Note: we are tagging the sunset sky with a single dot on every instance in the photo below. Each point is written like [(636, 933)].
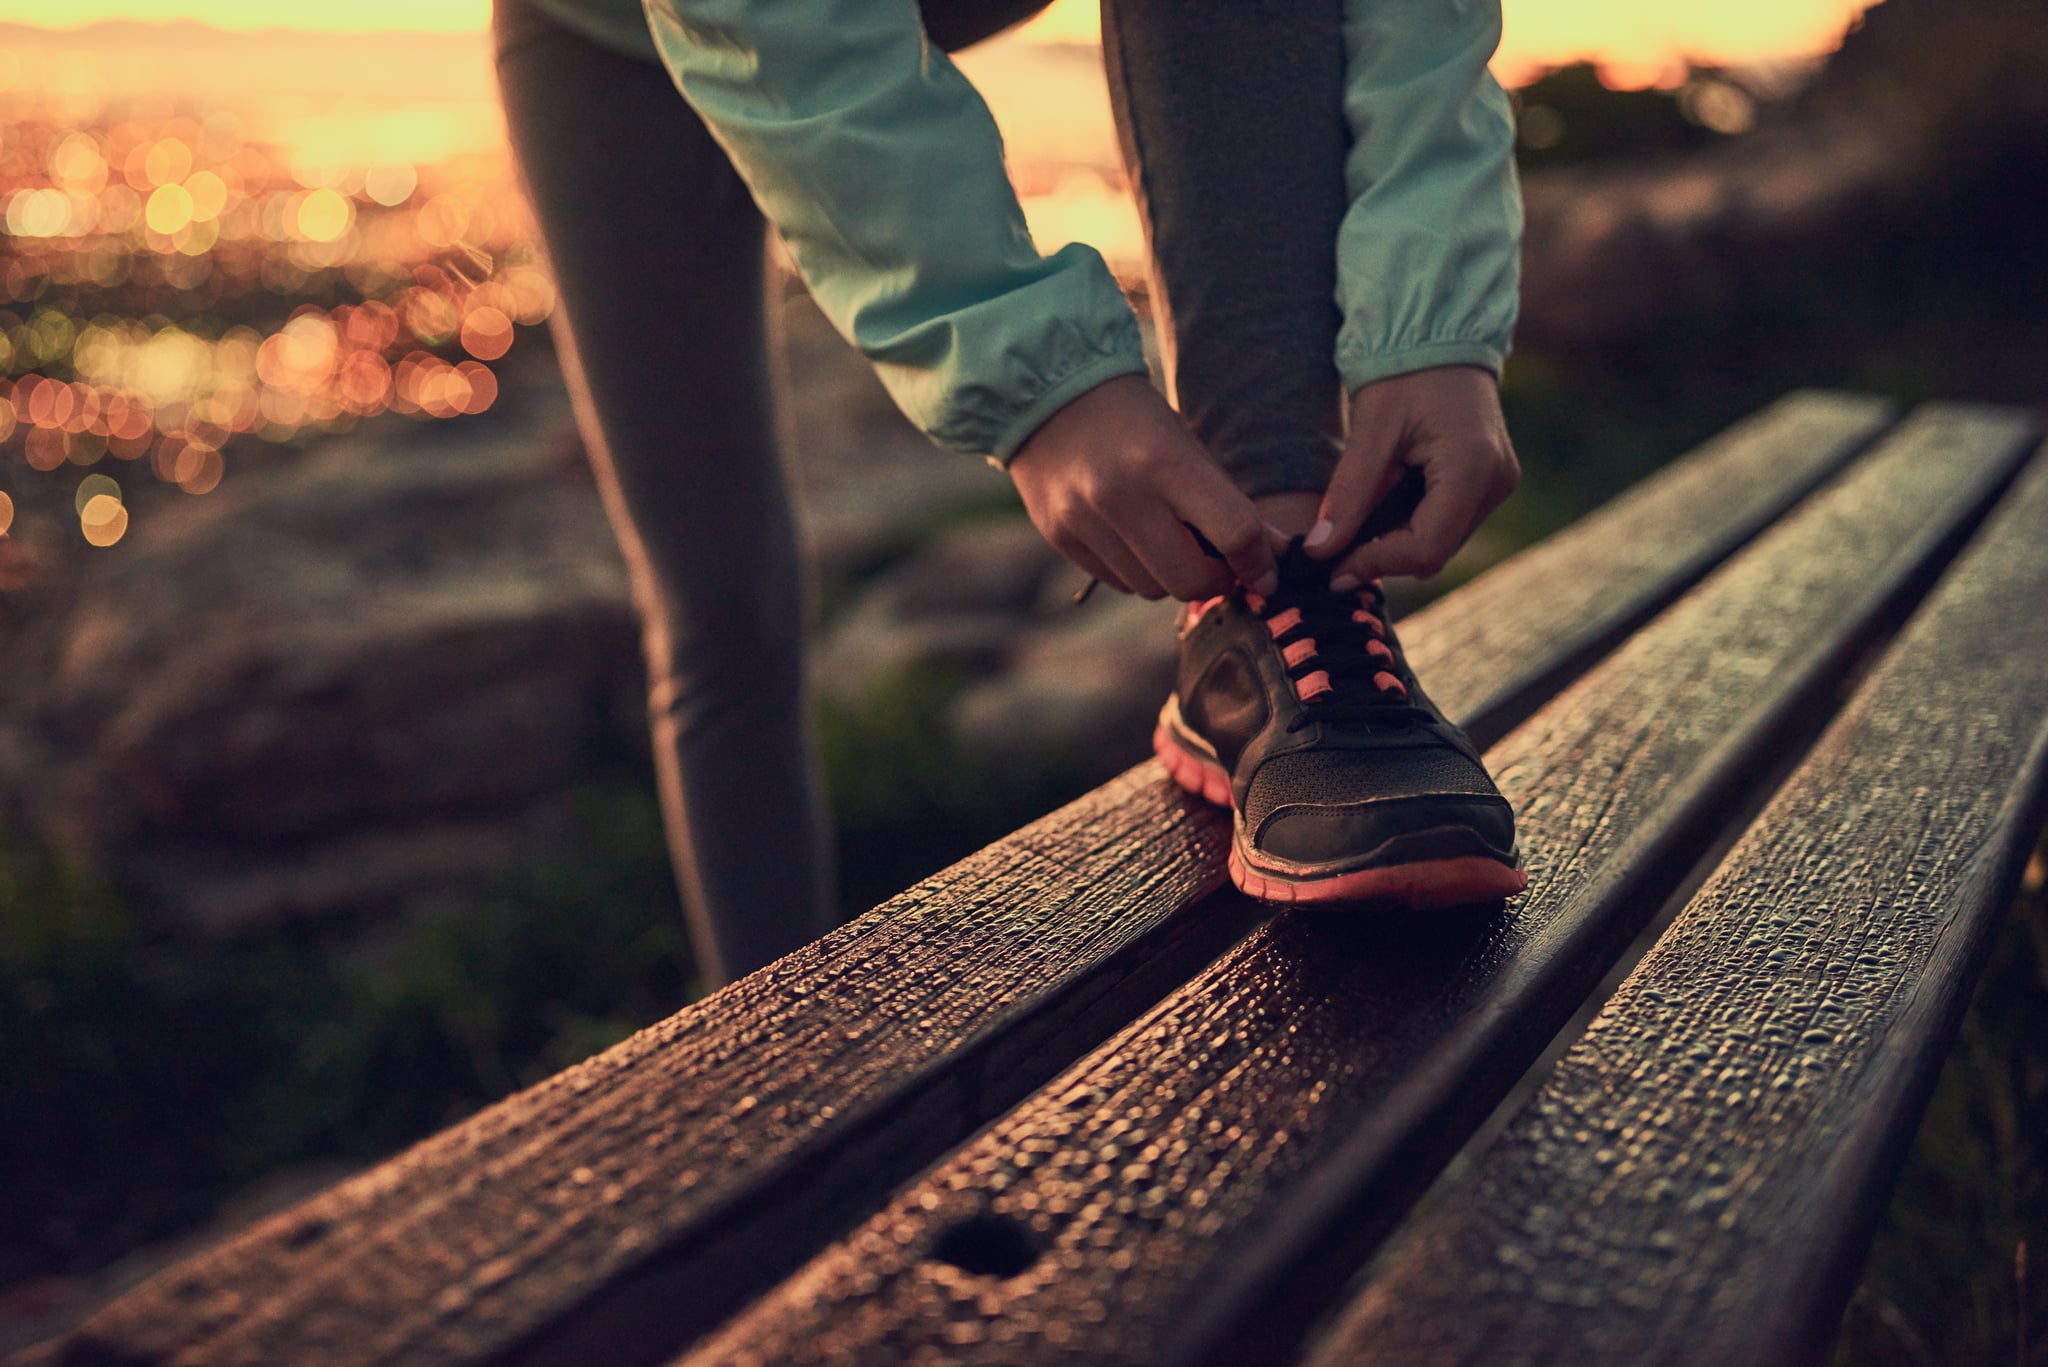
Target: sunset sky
[(1636, 41)]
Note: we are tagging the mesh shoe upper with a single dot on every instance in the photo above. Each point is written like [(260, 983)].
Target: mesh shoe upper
[(1339, 777), (1337, 759)]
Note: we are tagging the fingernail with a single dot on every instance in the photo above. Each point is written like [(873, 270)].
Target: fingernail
[(1344, 583), (1319, 534), (1268, 583)]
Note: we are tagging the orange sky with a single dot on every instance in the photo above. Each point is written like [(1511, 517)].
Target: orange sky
[(1636, 41)]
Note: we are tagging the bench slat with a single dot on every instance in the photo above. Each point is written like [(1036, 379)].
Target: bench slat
[(1647, 1205), (629, 1204), (1577, 595), (1250, 1137), (473, 1239)]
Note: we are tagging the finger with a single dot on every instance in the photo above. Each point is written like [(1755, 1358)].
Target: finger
[(1090, 564), (1058, 529), (1163, 542), (1219, 510), (1448, 513), (1110, 548), (1369, 467)]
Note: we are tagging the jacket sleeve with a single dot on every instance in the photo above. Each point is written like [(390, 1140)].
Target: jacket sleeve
[(883, 171), (1428, 255)]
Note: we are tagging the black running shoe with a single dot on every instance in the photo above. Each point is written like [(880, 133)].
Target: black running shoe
[(1347, 784)]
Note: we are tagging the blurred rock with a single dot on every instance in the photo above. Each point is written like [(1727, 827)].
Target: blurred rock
[(359, 677), (1079, 697), (871, 647), (866, 481), (364, 678), (959, 604), (993, 565), (1049, 689)]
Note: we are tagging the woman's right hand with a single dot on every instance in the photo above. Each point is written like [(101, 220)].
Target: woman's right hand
[(1114, 481)]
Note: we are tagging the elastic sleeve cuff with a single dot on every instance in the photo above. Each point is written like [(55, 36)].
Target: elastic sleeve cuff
[(1056, 396), (1359, 371)]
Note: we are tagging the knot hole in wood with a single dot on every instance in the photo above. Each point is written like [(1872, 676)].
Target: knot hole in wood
[(987, 1245)]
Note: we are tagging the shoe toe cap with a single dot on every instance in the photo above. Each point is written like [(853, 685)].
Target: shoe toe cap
[(1398, 830)]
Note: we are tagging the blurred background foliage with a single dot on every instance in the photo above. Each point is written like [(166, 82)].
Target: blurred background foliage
[(145, 1078)]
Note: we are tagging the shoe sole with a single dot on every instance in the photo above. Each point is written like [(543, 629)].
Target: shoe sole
[(1412, 884)]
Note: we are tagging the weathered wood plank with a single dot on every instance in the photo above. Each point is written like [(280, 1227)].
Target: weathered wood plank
[(1647, 1205), (627, 1205), (473, 1240), (1572, 598), (1245, 1141)]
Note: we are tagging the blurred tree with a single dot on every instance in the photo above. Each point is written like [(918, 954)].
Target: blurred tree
[(1570, 116)]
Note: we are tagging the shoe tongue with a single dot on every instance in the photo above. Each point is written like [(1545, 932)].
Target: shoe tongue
[(1301, 573), (1305, 580)]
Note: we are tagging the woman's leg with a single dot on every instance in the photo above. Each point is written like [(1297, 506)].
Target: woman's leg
[(1231, 117), (658, 254)]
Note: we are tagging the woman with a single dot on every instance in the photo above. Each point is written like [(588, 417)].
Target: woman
[(1331, 211)]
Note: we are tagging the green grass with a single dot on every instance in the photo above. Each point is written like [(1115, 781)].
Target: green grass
[(1940, 1285), (146, 1076), (907, 803)]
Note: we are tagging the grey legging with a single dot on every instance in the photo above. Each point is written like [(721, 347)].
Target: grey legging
[(1231, 121)]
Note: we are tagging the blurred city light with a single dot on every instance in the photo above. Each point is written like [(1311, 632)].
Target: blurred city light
[(209, 240), (170, 287)]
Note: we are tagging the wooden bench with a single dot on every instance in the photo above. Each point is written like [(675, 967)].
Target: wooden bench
[(1075, 1100)]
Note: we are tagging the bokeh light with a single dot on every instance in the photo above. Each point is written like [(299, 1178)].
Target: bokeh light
[(171, 287), (198, 468), (324, 215), (92, 487), (44, 448), (208, 193), (187, 275), (165, 162), (169, 209), (104, 520), (390, 183), (486, 333)]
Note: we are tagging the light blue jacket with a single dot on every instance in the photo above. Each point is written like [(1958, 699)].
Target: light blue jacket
[(883, 171)]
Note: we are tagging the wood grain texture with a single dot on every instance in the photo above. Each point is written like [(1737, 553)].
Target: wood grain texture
[(1698, 1180), (625, 1206), (678, 1143), (1575, 596), (1205, 1175)]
